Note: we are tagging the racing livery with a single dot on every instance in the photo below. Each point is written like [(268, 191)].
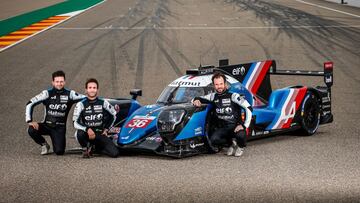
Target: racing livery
[(57, 105), (174, 127)]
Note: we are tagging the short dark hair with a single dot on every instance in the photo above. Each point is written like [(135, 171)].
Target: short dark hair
[(58, 73), (218, 74), (90, 80)]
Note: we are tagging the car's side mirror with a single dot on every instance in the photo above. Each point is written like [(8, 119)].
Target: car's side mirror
[(135, 93)]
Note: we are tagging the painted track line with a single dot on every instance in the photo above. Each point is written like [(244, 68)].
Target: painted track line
[(207, 28), (327, 8)]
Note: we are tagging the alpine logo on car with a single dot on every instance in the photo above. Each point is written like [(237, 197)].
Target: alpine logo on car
[(289, 108)]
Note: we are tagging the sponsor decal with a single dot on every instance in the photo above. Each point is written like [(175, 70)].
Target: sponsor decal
[(64, 97), (53, 97), (94, 117), (186, 83), (228, 110), (226, 117), (117, 108), (326, 99), (58, 107), (198, 131), (193, 145), (326, 106), (93, 124), (88, 108), (154, 138), (220, 110), (239, 71), (205, 71), (289, 108), (259, 133), (226, 101), (56, 113), (328, 79), (124, 138), (97, 107)]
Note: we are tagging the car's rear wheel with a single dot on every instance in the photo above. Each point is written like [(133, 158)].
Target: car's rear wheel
[(310, 114)]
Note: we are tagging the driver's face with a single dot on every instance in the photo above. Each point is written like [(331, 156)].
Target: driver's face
[(58, 82), (91, 90), (219, 84)]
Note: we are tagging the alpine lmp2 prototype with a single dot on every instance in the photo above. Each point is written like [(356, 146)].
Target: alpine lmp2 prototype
[(174, 127)]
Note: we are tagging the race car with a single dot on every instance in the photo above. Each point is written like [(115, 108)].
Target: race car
[(174, 127)]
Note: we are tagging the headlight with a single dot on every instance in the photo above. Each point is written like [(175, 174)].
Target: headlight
[(168, 119)]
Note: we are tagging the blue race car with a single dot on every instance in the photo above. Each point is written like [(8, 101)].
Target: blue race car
[(174, 127)]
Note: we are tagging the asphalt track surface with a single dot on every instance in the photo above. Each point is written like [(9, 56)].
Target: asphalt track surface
[(147, 44)]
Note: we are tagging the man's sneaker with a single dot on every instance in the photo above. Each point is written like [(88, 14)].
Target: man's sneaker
[(87, 153), (45, 147), (232, 149), (239, 151)]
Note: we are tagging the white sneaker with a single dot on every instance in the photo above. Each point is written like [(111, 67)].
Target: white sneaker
[(239, 151), (232, 149), (45, 148)]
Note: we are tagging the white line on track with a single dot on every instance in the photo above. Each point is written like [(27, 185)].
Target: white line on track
[(207, 28), (327, 8)]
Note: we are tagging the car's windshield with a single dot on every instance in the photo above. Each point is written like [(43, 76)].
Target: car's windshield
[(182, 94)]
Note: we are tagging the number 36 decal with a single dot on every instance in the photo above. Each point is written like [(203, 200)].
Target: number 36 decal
[(140, 121)]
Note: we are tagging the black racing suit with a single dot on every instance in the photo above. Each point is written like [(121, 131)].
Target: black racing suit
[(99, 115), (57, 106), (228, 112)]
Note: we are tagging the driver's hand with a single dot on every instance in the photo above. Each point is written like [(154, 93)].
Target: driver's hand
[(238, 128), (196, 103), (105, 132), (91, 134), (35, 125)]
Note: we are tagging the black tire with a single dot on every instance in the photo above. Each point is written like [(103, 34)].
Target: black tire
[(310, 114)]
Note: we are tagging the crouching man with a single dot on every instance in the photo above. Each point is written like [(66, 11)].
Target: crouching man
[(230, 129), (57, 102), (93, 117)]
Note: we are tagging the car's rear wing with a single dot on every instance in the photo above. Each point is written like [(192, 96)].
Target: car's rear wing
[(327, 73)]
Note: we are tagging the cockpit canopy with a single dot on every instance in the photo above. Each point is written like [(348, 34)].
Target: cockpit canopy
[(185, 88)]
